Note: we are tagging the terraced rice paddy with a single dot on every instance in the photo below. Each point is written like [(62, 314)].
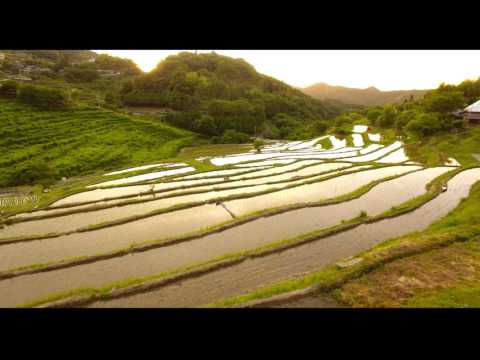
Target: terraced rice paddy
[(162, 224)]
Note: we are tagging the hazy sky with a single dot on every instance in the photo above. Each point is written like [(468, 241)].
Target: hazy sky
[(384, 69)]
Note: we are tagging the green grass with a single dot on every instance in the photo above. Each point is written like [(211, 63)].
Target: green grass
[(464, 295), (326, 143), (82, 140)]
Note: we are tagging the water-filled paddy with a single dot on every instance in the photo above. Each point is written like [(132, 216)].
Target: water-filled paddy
[(316, 192), (145, 177), (395, 157), (266, 163), (257, 272), (307, 256), (75, 221), (360, 128), (144, 167)]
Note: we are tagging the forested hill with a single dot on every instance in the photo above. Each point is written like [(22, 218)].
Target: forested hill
[(366, 97), (211, 94)]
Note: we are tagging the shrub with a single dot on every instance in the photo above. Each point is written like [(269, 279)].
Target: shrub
[(8, 89), (32, 172), (234, 137), (424, 124), (258, 144), (43, 97)]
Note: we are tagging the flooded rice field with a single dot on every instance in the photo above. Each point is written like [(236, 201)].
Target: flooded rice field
[(266, 163), (145, 167), (254, 273), (396, 157), (360, 128), (72, 222), (145, 177), (304, 257), (357, 140), (261, 231), (316, 192), (281, 167)]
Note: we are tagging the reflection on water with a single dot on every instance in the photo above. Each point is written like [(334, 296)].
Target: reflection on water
[(360, 128), (303, 257), (144, 177)]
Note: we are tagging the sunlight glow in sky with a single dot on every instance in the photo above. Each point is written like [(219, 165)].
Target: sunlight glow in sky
[(384, 69)]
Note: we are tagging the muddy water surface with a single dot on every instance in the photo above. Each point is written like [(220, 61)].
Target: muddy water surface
[(75, 221), (315, 192), (250, 235), (259, 272)]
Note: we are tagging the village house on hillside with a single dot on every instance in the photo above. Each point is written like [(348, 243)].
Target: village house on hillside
[(471, 113)]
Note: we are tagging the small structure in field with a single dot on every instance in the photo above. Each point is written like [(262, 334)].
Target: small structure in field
[(471, 113)]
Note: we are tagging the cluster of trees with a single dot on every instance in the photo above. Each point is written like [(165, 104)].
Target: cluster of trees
[(39, 96), (124, 66), (83, 72), (32, 172), (212, 94), (429, 115)]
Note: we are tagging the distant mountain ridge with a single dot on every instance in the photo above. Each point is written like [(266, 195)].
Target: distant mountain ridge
[(367, 97)]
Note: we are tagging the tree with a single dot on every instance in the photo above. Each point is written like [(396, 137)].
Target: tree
[(387, 119), (319, 127), (80, 74), (373, 115), (424, 124), (206, 125), (43, 97), (32, 172), (444, 102), (234, 137), (258, 144)]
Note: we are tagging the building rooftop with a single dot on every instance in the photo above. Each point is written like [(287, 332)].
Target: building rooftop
[(475, 107)]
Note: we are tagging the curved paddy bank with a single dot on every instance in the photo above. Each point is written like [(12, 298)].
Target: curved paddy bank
[(324, 190), (213, 245), (71, 222), (259, 272), (267, 229), (138, 190)]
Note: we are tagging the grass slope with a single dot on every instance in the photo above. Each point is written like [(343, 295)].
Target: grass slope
[(81, 140)]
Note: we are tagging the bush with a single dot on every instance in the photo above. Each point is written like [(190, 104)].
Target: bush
[(8, 89), (424, 124), (234, 137), (80, 74), (43, 97), (258, 144), (32, 172), (319, 127)]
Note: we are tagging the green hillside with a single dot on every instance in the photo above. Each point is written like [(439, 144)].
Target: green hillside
[(365, 97), (44, 145), (212, 94)]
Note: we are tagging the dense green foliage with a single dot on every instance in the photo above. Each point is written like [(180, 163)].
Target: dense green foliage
[(125, 66), (213, 93), (43, 97), (432, 114), (77, 140), (85, 72)]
